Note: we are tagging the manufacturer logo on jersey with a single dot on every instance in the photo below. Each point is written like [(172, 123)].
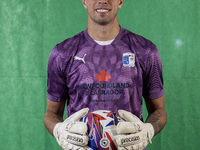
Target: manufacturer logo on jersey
[(79, 58), (128, 59)]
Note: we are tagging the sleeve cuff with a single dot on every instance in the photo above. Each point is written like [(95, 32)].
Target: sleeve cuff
[(55, 99), (156, 95)]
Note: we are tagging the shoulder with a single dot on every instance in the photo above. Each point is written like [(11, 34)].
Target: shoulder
[(143, 48), (68, 45), (65, 50), (138, 41)]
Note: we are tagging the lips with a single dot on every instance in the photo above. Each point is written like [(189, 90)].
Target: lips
[(102, 10)]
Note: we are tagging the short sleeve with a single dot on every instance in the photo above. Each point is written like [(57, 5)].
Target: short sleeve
[(56, 81), (153, 78)]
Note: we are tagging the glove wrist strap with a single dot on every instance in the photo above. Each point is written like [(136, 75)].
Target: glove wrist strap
[(151, 131), (55, 129)]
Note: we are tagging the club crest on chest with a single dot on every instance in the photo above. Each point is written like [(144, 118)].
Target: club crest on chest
[(128, 59)]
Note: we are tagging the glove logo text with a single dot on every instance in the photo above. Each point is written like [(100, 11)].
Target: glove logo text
[(74, 138), (131, 139)]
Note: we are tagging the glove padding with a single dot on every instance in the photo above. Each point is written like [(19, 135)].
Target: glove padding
[(71, 134), (133, 133)]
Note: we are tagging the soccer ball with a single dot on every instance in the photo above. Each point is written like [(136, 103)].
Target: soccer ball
[(102, 129)]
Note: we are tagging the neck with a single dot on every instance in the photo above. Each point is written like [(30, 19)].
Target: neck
[(103, 32)]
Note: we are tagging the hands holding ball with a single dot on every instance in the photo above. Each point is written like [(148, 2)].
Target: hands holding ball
[(103, 129)]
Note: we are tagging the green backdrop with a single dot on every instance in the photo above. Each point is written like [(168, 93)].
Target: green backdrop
[(30, 29)]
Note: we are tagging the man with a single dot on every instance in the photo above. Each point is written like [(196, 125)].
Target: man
[(105, 67)]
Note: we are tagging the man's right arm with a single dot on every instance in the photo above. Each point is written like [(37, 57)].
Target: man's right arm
[(53, 115)]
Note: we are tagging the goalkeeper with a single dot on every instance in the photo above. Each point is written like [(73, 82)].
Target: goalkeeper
[(105, 67)]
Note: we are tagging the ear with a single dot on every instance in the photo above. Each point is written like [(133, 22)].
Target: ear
[(84, 4), (120, 3)]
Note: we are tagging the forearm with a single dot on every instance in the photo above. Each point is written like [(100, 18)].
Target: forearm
[(53, 115), (50, 120), (158, 119)]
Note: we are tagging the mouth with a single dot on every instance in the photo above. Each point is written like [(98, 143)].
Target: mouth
[(102, 10)]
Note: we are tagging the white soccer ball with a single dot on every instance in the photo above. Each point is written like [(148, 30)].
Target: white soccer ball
[(102, 129)]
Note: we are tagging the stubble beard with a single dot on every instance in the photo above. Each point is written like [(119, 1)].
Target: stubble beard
[(103, 21)]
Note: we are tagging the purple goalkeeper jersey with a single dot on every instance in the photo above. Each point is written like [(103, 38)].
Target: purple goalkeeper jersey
[(109, 77)]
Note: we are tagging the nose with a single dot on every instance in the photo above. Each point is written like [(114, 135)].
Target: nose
[(103, 2)]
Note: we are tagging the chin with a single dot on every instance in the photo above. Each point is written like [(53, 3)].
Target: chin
[(103, 22)]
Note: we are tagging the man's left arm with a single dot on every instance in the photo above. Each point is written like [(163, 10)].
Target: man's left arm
[(157, 113), (135, 134)]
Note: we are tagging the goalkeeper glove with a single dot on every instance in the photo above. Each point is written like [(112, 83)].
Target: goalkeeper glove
[(133, 133), (71, 134)]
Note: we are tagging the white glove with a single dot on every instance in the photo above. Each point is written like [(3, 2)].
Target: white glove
[(71, 134), (133, 133)]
